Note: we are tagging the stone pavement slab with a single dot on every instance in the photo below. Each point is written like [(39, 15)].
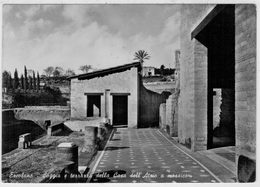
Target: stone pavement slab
[(145, 155)]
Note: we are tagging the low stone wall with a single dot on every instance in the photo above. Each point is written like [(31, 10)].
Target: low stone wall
[(12, 128), (80, 124), (39, 162), (41, 114), (159, 87)]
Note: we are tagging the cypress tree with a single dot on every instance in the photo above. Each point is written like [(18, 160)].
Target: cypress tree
[(34, 81), (25, 78), (10, 82), (30, 83), (16, 79), (22, 81), (5, 76), (38, 81)]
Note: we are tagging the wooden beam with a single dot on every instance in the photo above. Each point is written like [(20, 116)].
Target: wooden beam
[(93, 93), (120, 94)]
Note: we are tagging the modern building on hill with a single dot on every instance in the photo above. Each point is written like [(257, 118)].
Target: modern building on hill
[(148, 71)]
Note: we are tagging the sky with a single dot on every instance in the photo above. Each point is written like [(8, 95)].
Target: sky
[(103, 36)]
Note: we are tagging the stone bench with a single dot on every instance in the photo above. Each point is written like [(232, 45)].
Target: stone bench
[(25, 141)]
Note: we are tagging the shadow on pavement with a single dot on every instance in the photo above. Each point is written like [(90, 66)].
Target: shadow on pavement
[(40, 146), (115, 148), (117, 139)]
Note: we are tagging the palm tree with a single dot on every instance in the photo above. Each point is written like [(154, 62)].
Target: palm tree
[(141, 55)]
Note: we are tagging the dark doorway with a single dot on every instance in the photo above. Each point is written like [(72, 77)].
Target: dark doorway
[(93, 106), (120, 110), (219, 38)]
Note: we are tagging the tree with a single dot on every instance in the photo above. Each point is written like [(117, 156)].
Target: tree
[(38, 81), (141, 55), (34, 81), (162, 68), (30, 83), (85, 68), (16, 79), (70, 72), (58, 71), (10, 82), (5, 76), (49, 71), (22, 81), (25, 78)]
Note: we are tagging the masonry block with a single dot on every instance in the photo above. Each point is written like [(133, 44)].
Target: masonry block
[(67, 157), (24, 141)]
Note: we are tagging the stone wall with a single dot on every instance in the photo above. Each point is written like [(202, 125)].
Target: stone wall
[(159, 87), (217, 101), (162, 116), (193, 85), (192, 112), (171, 115), (223, 117), (245, 86), (123, 82), (149, 107), (41, 114)]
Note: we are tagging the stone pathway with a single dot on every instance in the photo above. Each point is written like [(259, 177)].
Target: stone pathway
[(145, 155)]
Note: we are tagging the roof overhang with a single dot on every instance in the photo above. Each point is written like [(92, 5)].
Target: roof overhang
[(104, 72), (213, 13)]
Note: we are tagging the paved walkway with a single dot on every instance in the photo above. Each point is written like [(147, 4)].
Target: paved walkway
[(146, 155)]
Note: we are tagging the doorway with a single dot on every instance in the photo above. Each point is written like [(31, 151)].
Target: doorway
[(93, 106), (120, 110), (218, 36)]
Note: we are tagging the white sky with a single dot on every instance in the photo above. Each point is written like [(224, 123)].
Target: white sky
[(69, 36)]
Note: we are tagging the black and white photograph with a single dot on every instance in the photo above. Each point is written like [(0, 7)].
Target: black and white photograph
[(128, 92)]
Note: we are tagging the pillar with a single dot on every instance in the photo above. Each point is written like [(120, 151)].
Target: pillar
[(200, 96), (107, 92)]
